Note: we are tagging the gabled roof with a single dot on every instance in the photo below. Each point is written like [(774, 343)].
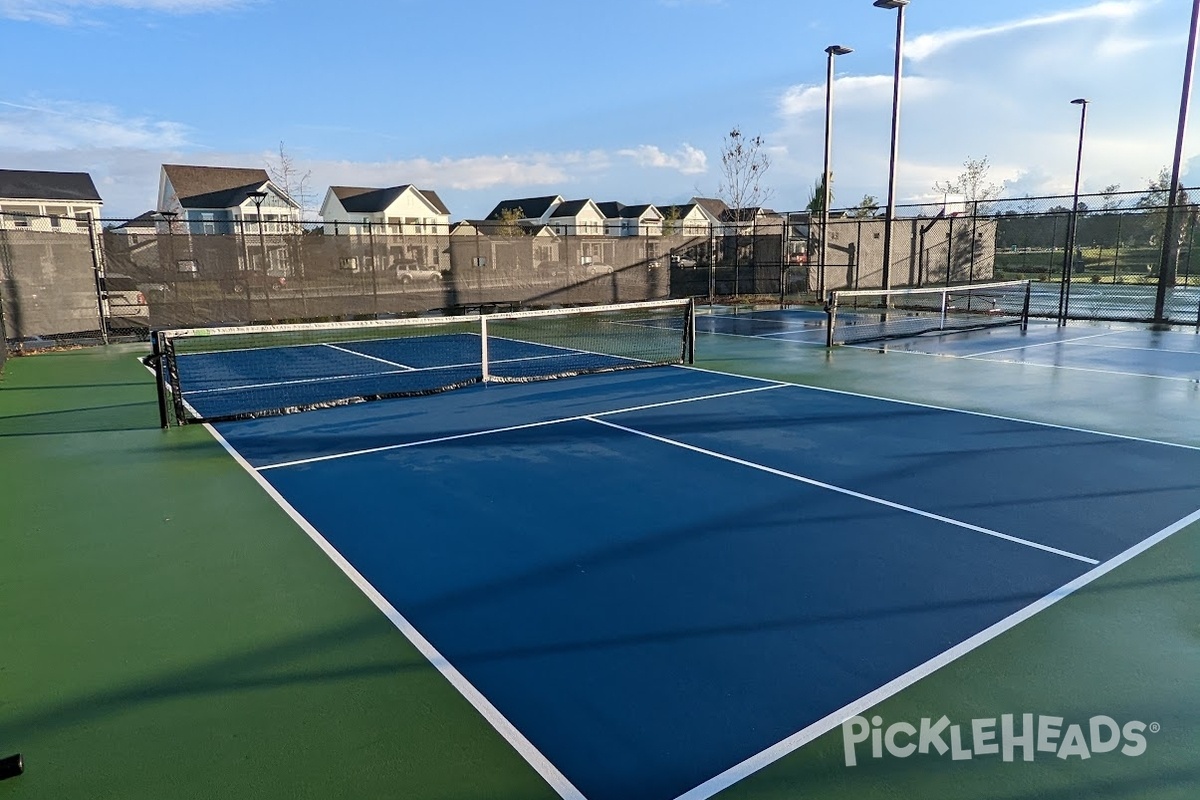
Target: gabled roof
[(433, 198), (748, 214), (635, 212), (20, 184), (366, 200), (370, 200), (680, 211), (148, 219), (214, 187), (614, 210), (570, 208), (530, 207), (712, 205)]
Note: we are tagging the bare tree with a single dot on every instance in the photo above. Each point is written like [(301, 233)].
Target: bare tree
[(1110, 202), (972, 183), (287, 176), (743, 165)]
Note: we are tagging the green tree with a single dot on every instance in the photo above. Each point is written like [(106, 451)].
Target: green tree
[(816, 198), (867, 207), (671, 220), (510, 222)]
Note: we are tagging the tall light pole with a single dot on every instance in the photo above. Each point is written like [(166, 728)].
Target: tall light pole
[(257, 198), (832, 51), (896, 78), (1064, 292), (1170, 244)]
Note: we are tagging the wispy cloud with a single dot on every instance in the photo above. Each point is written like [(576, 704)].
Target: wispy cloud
[(47, 125), (926, 45), (686, 159), (64, 12), (851, 91)]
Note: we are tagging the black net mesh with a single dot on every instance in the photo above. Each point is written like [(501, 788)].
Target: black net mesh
[(865, 316), (229, 373)]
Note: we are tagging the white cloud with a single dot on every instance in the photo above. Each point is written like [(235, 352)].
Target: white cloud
[(63, 12), (465, 174), (686, 159), (926, 45)]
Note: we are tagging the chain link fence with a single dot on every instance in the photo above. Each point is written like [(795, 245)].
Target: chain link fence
[(83, 281), (1113, 270)]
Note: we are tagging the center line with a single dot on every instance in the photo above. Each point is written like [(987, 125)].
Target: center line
[(848, 492), (364, 355)]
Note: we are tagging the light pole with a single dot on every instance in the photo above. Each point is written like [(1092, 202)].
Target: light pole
[(832, 51), (257, 198), (1064, 293), (1170, 243), (896, 77)]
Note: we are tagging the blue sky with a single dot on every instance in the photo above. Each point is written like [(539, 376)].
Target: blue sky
[(628, 101)]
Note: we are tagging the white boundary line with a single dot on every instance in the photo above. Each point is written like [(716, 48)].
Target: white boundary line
[(1093, 370), (372, 358), (514, 737), (1039, 344), (294, 346), (831, 721), (524, 426), (1145, 349), (848, 492), (1020, 362), (916, 404)]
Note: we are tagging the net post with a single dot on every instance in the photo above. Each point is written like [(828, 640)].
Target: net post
[(1025, 306), (483, 347), (164, 417), (690, 331), (171, 372), (945, 306), (830, 317)]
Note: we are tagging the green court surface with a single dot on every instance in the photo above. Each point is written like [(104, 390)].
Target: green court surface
[(166, 630)]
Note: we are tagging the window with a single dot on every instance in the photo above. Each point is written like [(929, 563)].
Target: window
[(21, 216)]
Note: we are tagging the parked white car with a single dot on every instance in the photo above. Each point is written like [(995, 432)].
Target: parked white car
[(123, 302), (410, 272)]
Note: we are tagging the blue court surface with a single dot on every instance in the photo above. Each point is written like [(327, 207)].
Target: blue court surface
[(1133, 351), (1167, 354), (655, 582)]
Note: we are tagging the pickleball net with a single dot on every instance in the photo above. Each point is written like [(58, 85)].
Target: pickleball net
[(226, 373), (869, 315)]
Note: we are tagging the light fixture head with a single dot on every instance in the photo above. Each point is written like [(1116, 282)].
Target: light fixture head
[(1080, 101), (838, 50), (890, 3)]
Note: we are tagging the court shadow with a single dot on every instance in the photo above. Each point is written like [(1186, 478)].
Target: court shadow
[(300, 660), (140, 415)]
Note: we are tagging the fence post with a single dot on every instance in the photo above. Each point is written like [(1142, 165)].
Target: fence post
[(98, 276), (374, 280)]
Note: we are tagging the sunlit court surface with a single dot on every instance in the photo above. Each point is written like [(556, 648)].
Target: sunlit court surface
[(918, 566)]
